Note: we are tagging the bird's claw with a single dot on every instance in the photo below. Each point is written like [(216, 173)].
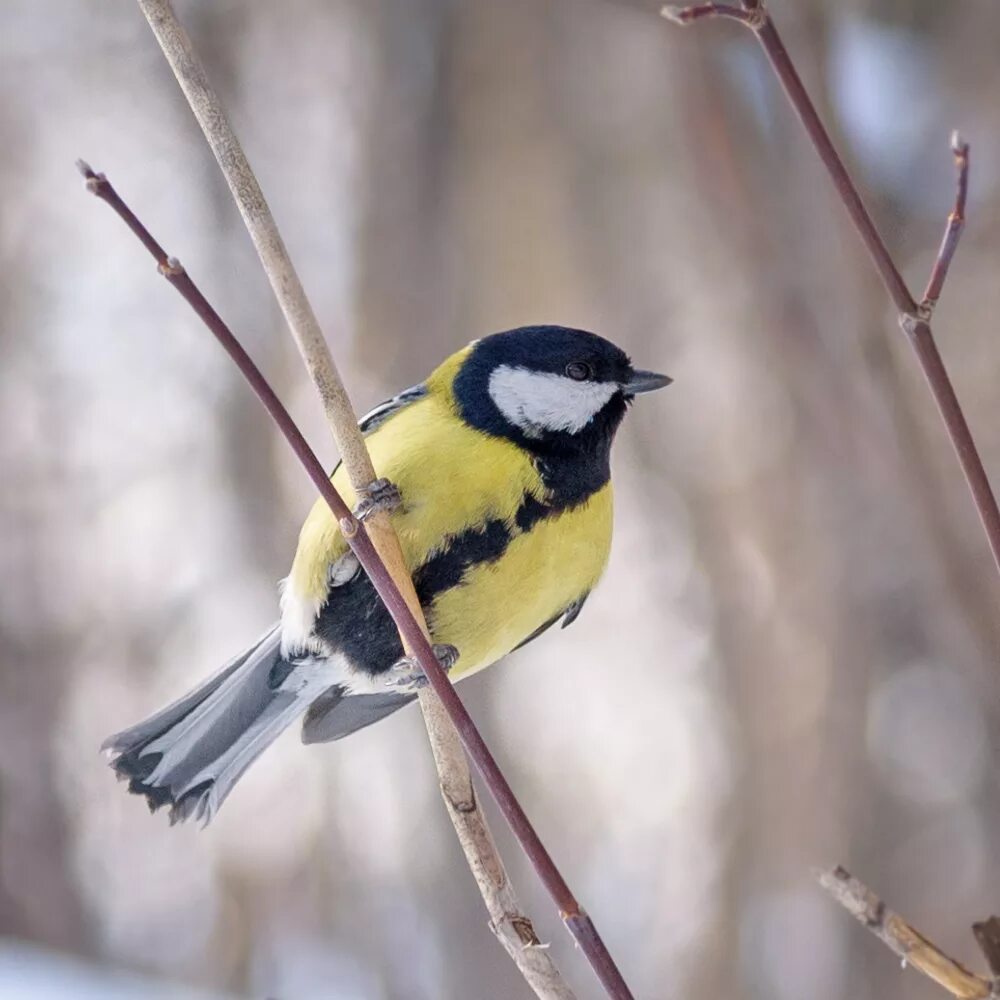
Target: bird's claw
[(379, 494), (407, 676)]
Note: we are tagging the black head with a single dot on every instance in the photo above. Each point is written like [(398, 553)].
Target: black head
[(550, 389)]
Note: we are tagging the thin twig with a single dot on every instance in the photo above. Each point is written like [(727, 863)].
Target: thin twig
[(357, 536), (507, 918), (906, 942), (952, 230), (912, 316)]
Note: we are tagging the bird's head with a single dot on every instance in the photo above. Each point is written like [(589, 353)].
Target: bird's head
[(549, 387)]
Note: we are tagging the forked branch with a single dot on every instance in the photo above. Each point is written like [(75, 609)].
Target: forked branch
[(910, 945), (914, 317), (529, 957)]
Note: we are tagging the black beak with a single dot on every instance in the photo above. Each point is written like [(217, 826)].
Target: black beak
[(645, 382)]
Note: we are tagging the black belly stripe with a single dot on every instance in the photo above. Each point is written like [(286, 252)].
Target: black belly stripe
[(471, 548), (531, 512), (354, 620)]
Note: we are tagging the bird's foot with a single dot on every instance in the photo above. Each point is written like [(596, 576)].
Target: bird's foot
[(379, 494), (407, 676)]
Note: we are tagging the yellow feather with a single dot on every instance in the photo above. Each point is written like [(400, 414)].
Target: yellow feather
[(540, 574)]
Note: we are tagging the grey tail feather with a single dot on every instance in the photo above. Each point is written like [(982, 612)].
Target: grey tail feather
[(334, 715), (189, 755)]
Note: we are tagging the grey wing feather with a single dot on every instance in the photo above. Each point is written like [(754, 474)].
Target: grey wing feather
[(374, 419), (573, 611), (568, 615), (176, 711), (191, 754), (333, 715)]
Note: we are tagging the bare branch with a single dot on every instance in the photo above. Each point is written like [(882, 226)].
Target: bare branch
[(906, 942), (952, 231), (513, 929), (911, 315)]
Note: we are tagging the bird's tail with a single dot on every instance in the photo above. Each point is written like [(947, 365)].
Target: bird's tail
[(190, 754)]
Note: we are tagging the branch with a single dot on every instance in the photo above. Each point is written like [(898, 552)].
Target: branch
[(511, 926), (914, 318), (909, 944), (952, 230)]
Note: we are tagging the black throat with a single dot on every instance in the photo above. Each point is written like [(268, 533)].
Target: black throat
[(572, 466), (575, 469)]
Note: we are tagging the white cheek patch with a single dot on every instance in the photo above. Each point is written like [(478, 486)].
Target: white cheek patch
[(541, 401)]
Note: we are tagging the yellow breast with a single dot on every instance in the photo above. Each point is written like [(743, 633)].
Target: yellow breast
[(539, 575), (450, 476), (453, 478)]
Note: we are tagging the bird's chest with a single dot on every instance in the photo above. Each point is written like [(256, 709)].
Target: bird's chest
[(494, 555), (528, 576)]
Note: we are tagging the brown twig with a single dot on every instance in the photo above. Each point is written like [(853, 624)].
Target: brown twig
[(906, 942), (913, 317), (356, 534), (952, 230)]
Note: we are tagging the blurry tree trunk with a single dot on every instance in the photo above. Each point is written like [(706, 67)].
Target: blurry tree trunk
[(409, 290)]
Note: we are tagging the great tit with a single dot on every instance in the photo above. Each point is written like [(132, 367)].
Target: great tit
[(501, 463)]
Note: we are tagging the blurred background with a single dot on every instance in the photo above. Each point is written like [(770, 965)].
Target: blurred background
[(792, 661)]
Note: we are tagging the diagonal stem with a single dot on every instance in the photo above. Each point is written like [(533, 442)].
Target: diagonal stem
[(952, 230), (356, 534), (920, 335)]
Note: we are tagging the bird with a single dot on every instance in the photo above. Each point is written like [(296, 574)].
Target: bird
[(496, 474)]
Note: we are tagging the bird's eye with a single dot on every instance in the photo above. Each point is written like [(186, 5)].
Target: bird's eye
[(579, 370)]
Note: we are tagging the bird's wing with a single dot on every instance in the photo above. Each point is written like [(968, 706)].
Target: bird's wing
[(334, 715), (568, 616), (374, 419)]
